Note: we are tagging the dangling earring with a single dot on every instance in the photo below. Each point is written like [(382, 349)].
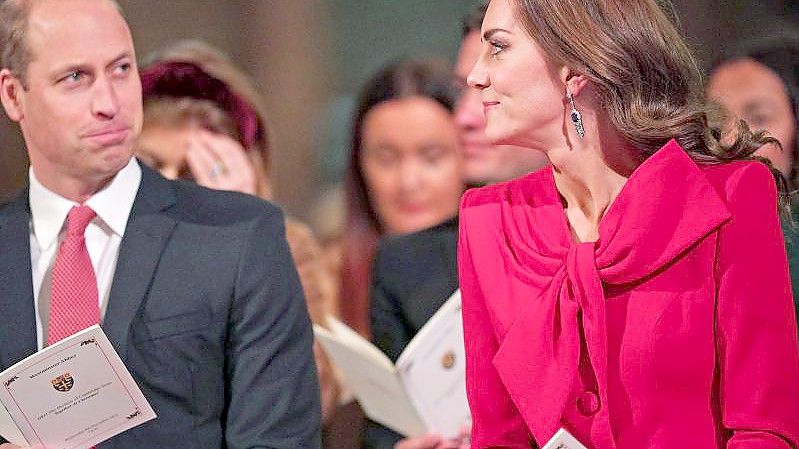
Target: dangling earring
[(576, 118)]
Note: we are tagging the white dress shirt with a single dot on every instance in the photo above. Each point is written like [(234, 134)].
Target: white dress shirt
[(48, 215)]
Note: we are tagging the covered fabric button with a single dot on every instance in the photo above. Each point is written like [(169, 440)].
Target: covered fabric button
[(588, 403)]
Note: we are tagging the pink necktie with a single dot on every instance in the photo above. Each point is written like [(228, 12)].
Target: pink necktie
[(74, 303)]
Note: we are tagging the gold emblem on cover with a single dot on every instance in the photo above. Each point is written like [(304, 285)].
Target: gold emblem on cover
[(63, 383), (448, 360)]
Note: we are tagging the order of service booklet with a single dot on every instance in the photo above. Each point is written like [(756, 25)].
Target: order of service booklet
[(563, 440), (71, 395), (424, 392)]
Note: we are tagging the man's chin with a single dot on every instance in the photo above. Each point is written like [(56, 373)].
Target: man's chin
[(114, 159), (481, 173), (477, 151)]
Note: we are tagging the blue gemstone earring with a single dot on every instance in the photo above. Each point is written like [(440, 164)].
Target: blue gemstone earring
[(576, 118)]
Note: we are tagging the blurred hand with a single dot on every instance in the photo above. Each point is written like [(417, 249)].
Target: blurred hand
[(218, 162), (429, 441), (433, 441), (464, 440)]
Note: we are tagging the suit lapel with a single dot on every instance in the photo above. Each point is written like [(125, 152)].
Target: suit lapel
[(18, 331), (146, 235)]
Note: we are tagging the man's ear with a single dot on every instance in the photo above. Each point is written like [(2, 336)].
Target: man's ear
[(10, 90), (573, 81)]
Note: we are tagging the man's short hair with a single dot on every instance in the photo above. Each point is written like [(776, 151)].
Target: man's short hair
[(474, 20), (14, 52)]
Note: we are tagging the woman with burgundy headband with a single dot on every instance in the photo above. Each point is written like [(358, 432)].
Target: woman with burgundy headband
[(203, 121)]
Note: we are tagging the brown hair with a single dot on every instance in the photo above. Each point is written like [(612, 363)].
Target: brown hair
[(646, 77), (182, 111), (177, 109), (14, 52)]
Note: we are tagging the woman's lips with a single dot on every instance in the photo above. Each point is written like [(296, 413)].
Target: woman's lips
[(412, 209)]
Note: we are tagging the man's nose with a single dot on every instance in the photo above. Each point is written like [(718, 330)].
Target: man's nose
[(469, 112), (105, 102)]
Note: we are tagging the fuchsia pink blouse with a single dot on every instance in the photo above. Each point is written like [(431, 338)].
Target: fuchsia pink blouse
[(676, 329)]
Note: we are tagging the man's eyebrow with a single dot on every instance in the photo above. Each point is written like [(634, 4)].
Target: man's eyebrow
[(83, 67), (123, 55), (69, 68)]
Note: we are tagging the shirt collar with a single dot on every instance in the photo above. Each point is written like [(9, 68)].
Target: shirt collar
[(112, 204)]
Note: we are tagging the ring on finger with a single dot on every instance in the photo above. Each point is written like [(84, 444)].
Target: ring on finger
[(216, 170)]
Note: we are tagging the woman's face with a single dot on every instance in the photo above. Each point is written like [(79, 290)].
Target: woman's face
[(522, 94), (411, 164), (754, 93), (164, 148)]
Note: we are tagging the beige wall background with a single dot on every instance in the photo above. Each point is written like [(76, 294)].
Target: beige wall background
[(303, 54)]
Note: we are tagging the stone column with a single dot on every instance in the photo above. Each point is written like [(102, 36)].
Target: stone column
[(286, 50)]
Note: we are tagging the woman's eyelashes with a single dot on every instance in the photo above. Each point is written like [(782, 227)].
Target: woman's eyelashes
[(496, 47)]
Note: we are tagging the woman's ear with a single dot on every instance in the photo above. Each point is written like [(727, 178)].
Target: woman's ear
[(574, 82)]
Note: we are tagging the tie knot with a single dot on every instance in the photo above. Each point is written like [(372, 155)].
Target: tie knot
[(78, 218)]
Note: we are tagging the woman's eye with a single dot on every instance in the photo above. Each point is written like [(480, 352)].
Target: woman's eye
[(496, 48), (382, 156), (433, 155)]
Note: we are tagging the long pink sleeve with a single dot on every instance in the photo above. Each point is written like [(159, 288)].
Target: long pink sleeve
[(497, 422), (756, 336)]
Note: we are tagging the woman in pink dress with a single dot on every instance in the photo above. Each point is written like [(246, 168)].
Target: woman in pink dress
[(636, 293)]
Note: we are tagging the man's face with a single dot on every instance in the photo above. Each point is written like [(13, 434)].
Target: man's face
[(485, 163), (81, 110)]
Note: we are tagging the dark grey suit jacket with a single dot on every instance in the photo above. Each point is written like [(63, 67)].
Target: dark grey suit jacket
[(207, 312), (412, 276)]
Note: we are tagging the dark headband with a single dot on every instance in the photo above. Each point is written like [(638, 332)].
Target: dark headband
[(174, 79)]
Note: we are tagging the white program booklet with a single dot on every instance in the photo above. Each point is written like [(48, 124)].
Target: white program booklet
[(424, 392), (71, 395), (563, 440)]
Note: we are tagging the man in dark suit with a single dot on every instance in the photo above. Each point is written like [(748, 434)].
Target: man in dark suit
[(195, 288)]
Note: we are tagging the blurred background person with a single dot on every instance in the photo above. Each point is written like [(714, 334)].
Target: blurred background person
[(416, 273), (203, 121), (484, 163), (757, 82), (406, 168), (308, 59)]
